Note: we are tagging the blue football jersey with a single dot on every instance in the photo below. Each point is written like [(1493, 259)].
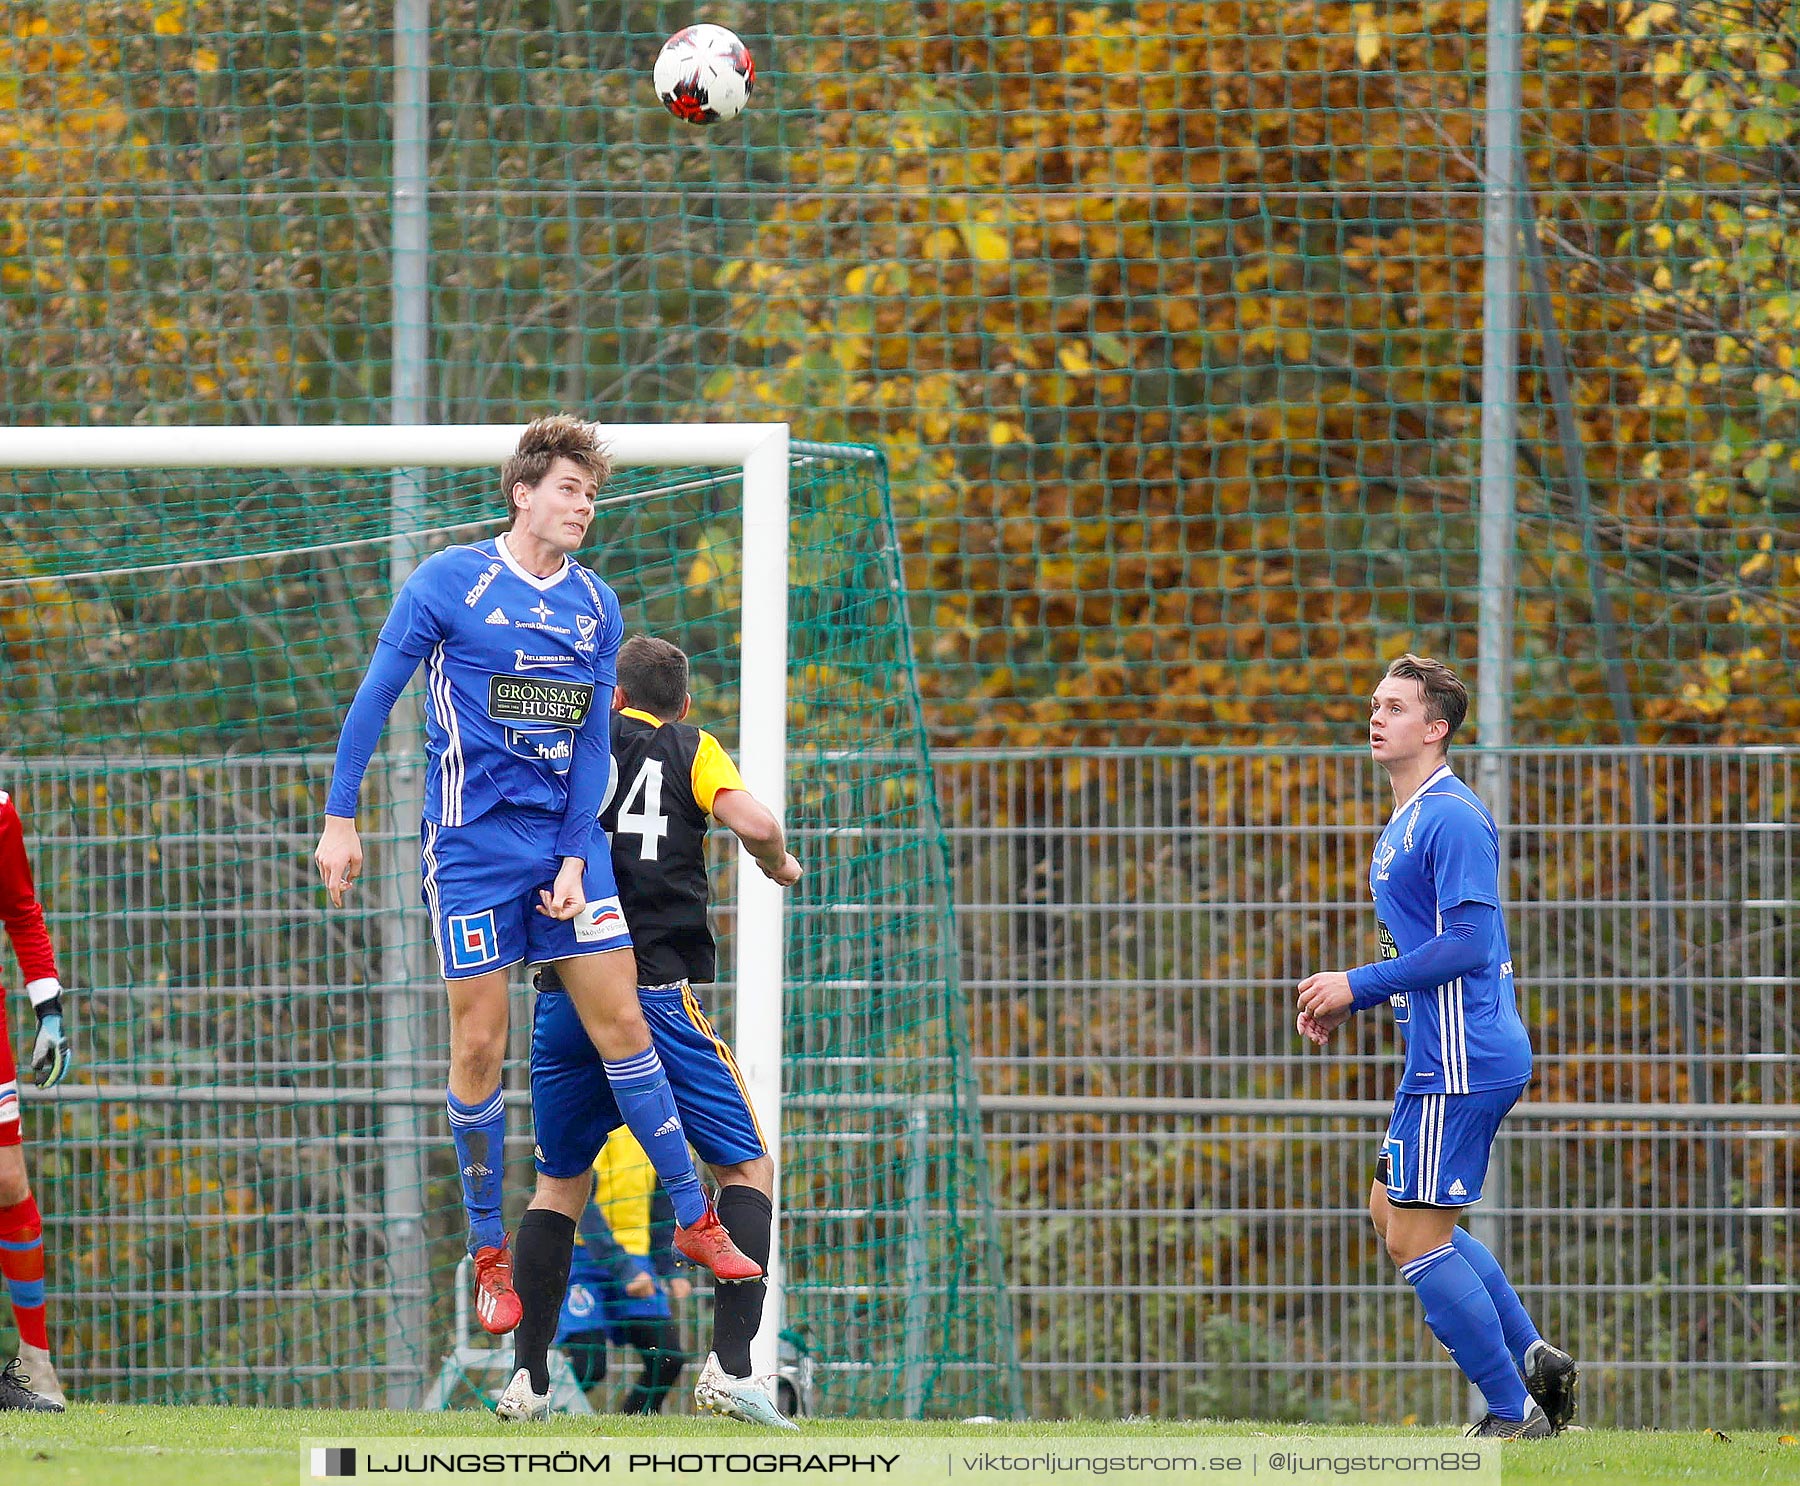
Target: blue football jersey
[(513, 663), (1442, 848)]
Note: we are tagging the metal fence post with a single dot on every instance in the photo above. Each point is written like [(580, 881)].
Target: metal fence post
[(403, 968)]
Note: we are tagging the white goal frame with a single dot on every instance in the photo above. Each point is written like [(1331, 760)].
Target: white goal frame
[(759, 450)]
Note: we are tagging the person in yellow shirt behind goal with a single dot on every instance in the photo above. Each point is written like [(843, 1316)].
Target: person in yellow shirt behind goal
[(623, 1276)]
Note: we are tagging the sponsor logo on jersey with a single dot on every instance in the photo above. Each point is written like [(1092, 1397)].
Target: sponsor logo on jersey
[(1384, 858), (543, 611), (1389, 950), (527, 699), (497, 616), (1505, 969), (473, 940), (473, 596), (601, 920), (555, 746), (542, 629), (524, 662), (586, 626)]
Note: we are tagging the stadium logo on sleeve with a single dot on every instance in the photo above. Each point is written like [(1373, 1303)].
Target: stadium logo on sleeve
[(473, 939), (473, 596), (601, 920), (327, 1461)]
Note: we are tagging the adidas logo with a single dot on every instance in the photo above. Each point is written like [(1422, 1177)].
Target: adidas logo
[(476, 1169), (498, 617), (1457, 1189), (667, 1127)]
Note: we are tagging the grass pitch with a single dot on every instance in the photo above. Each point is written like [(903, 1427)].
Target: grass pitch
[(128, 1445)]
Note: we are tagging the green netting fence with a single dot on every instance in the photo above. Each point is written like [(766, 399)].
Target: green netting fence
[(1168, 316), (248, 1188)]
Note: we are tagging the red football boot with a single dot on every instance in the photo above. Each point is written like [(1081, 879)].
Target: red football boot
[(496, 1302), (710, 1246)]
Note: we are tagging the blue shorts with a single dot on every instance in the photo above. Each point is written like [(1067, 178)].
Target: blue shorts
[(1437, 1145), (572, 1107), (481, 885)]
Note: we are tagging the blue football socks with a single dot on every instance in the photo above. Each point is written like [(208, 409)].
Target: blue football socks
[(641, 1090), (1514, 1321), (480, 1134), (1461, 1315)]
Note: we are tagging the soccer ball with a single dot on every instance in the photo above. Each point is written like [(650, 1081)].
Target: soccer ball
[(704, 75)]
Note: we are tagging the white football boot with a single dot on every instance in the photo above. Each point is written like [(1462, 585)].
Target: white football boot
[(749, 1399), (520, 1404), (35, 1363)]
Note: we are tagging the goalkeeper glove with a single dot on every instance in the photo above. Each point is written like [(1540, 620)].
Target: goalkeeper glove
[(51, 1055)]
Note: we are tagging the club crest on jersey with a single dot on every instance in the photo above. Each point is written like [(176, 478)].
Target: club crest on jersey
[(473, 596), (497, 616), (586, 626), (473, 940), (601, 920), (1384, 858)]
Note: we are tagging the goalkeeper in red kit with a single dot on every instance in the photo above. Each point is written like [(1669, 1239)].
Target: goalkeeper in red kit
[(29, 1381)]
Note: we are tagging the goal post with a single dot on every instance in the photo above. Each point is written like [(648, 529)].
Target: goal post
[(704, 530)]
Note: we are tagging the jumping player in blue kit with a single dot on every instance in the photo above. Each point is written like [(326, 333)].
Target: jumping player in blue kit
[(1446, 972), (520, 646)]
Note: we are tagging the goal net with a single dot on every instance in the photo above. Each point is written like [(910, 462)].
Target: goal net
[(248, 1187)]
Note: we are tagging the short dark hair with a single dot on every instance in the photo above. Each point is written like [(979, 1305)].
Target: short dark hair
[(548, 439), (1446, 698), (654, 675)]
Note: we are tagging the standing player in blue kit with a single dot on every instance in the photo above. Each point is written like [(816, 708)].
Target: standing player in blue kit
[(1446, 971), (520, 645)]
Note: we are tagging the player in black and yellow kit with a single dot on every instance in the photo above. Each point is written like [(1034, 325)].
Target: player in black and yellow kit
[(672, 781)]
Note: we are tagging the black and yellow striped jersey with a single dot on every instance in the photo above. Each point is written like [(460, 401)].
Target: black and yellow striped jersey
[(669, 774)]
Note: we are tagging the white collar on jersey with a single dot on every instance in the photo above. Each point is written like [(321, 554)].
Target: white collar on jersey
[(1412, 799), (540, 584)]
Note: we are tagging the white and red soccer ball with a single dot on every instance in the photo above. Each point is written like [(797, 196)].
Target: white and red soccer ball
[(704, 75)]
